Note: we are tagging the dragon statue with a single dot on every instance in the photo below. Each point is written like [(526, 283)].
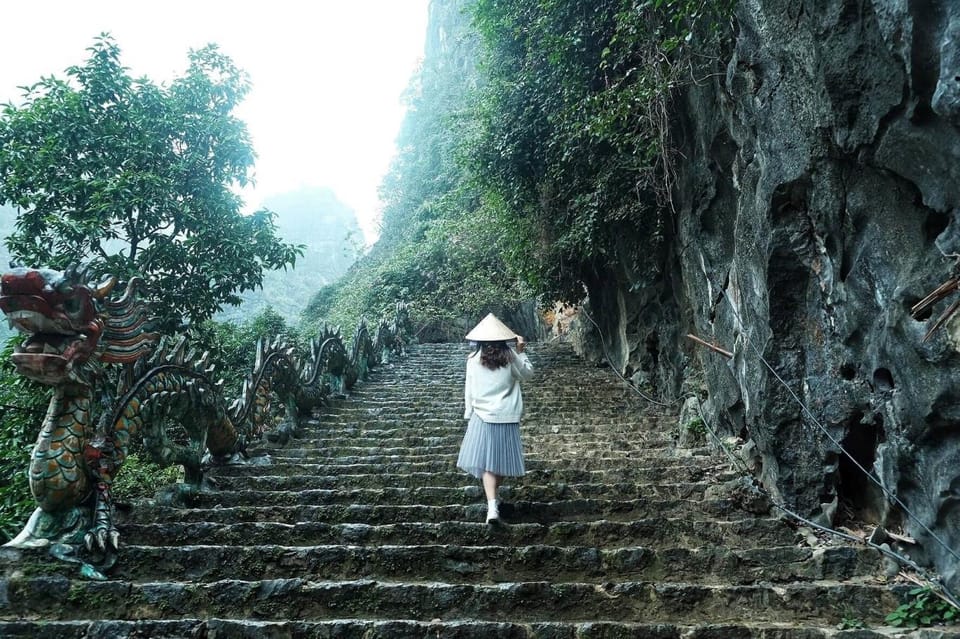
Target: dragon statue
[(82, 342)]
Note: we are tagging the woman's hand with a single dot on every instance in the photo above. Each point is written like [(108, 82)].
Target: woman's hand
[(521, 344)]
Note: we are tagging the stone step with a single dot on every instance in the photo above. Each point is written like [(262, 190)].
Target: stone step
[(548, 417), (437, 629), (282, 492), (819, 603), (306, 489), (654, 532), (683, 468), (494, 563), (546, 445), (451, 438), (445, 398), (440, 395), (453, 422), (259, 477), (607, 458), (516, 512)]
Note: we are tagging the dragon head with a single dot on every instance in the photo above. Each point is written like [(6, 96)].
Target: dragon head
[(60, 316)]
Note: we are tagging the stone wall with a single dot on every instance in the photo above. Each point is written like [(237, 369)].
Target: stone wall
[(819, 187)]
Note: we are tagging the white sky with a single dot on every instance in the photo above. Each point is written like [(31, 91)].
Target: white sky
[(328, 75)]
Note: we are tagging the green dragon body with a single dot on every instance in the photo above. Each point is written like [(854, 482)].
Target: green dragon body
[(78, 340)]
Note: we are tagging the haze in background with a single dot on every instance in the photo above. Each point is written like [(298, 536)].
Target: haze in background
[(328, 228), (328, 77)]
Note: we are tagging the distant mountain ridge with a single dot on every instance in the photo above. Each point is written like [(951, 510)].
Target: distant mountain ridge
[(314, 217)]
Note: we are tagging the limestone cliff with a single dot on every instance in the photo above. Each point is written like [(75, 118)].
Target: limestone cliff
[(818, 190)]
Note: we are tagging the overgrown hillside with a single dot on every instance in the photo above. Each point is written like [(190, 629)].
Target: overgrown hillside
[(444, 246), (775, 178)]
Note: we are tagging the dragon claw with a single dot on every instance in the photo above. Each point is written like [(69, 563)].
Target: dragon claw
[(102, 540)]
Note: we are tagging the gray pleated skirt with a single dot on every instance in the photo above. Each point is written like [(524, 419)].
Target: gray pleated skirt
[(491, 447)]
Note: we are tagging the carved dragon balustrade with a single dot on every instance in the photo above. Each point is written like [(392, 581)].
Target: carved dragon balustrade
[(80, 340)]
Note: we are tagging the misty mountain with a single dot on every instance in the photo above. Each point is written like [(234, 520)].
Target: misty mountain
[(329, 230)]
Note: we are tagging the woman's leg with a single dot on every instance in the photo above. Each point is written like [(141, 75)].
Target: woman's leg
[(490, 484)]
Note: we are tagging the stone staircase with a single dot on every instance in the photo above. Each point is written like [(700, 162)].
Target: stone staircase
[(363, 528)]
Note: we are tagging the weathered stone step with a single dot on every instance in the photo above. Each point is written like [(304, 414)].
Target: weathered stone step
[(384, 401), (690, 468), (453, 435), (451, 488), (594, 457), (544, 443), (654, 532), (283, 491), (446, 398), (457, 629), (494, 563), (257, 477), (518, 512), (548, 417), (578, 383), (816, 602), (415, 402), (341, 425)]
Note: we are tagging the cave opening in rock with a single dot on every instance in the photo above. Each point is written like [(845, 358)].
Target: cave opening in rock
[(856, 489), (935, 224), (883, 379), (909, 302), (848, 371)]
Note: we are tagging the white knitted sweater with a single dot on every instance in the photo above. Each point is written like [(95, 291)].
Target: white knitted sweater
[(495, 395)]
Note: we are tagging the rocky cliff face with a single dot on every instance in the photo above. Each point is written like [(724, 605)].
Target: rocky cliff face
[(819, 187)]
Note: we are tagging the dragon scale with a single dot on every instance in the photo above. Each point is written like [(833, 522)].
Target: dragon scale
[(57, 476)]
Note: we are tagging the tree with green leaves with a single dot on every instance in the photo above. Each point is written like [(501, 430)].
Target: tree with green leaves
[(134, 178), (575, 128)]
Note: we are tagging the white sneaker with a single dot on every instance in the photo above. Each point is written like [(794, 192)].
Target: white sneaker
[(493, 513)]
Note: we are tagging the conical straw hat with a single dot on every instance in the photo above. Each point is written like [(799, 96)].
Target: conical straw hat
[(490, 329)]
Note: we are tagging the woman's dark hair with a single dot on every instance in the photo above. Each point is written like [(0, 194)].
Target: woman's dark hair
[(494, 355)]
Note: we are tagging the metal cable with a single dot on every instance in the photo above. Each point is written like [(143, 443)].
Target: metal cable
[(806, 411), (902, 559), (606, 355), (741, 467)]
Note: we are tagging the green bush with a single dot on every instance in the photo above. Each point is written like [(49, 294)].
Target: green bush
[(924, 608), (232, 347), (22, 407), (140, 478)]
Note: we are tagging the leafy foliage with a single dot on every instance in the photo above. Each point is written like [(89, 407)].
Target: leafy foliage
[(22, 407), (453, 270), (136, 179), (232, 347), (140, 478), (924, 608), (539, 171), (574, 126)]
